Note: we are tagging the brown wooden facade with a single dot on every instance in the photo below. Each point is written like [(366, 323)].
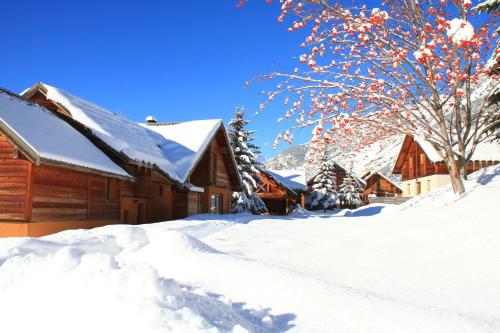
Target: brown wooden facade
[(419, 174), (215, 173), (378, 185), (37, 200), (146, 199), (412, 162), (277, 197)]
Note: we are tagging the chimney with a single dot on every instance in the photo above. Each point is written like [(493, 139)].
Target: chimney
[(150, 120)]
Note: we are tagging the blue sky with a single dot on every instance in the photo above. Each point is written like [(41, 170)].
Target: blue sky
[(176, 60)]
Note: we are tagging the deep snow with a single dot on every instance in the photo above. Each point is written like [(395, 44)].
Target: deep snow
[(429, 265)]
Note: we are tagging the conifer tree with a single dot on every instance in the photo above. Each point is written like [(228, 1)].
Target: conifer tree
[(324, 188), (245, 153), (350, 191), (488, 6)]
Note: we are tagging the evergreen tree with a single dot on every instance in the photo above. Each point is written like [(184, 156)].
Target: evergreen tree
[(324, 188), (350, 191), (245, 153), (493, 65), (488, 6)]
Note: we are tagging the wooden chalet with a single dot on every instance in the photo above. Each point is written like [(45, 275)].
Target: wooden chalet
[(166, 177), (211, 174), (52, 177), (422, 169), (278, 196), (378, 185)]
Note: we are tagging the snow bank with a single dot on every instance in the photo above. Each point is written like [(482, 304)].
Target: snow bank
[(430, 265), (79, 281)]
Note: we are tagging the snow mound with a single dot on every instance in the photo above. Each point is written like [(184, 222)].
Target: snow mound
[(429, 265), (480, 186), (83, 281)]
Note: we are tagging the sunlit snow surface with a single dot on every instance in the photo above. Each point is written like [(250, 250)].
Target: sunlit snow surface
[(430, 265)]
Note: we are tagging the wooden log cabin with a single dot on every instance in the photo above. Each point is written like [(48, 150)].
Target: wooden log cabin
[(422, 169), (379, 185), (276, 194), (210, 173), (162, 159), (52, 177)]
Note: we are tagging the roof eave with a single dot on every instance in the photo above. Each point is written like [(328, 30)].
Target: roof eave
[(20, 143), (48, 161)]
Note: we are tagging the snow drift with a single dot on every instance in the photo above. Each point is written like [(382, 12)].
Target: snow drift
[(430, 265)]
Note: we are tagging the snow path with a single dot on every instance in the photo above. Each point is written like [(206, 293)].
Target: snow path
[(429, 265)]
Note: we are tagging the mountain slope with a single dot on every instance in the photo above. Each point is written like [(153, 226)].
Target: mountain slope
[(380, 156)]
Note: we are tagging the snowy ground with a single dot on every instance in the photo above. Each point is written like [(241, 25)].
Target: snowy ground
[(430, 265)]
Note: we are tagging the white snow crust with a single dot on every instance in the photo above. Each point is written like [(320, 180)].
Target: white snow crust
[(293, 179), (460, 30), (193, 136), (429, 265), (485, 151), (174, 149), (52, 138)]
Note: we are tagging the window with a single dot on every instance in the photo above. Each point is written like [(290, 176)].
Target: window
[(428, 185), (216, 204), (160, 190)]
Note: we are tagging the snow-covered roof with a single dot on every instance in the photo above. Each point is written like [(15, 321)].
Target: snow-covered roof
[(337, 166), (49, 138), (383, 176), (174, 149), (293, 179), (277, 178), (485, 151), (187, 142)]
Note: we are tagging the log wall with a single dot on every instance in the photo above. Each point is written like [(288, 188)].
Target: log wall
[(14, 183), (63, 194), (380, 186)]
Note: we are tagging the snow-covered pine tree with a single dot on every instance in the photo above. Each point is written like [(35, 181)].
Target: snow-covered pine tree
[(350, 191), (488, 6), (245, 153), (324, 188)]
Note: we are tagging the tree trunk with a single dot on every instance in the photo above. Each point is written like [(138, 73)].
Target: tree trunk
[(455, 177), (463, 168)]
